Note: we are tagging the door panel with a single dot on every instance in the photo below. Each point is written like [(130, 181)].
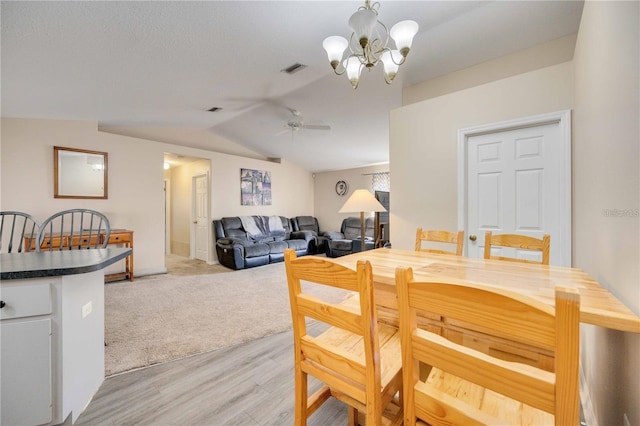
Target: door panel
[(529, 200), (512, 186)]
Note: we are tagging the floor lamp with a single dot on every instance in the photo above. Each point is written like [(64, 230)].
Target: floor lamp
[(362, 200)]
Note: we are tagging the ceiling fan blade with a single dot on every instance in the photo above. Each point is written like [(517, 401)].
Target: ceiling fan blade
[(316, 127)]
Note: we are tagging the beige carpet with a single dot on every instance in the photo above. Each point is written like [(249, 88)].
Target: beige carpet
[(194, 308)]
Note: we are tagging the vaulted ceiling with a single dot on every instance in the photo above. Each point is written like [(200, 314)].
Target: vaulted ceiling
[(133, 64)]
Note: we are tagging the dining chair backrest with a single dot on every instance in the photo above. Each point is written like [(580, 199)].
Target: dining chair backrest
[(517, 241), (496, 391), (18, 231), (74, 229), (357, 359), (437, 236)]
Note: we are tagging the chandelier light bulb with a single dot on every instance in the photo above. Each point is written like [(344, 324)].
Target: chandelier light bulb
[(362, 23), (391, 60), (402, 33), (353, 66), (335, 47)]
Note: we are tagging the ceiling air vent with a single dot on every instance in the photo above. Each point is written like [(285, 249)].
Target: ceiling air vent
[(294, 68), (214, 109)]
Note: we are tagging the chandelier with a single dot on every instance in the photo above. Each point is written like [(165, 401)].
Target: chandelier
[(369, 45)]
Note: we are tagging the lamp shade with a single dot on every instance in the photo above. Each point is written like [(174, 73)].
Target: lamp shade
[(362, 200), (402, 33), (353, 66), (335, 47), (362, 23), (391, 60)]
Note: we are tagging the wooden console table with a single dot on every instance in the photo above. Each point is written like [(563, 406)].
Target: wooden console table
[(122, 237)]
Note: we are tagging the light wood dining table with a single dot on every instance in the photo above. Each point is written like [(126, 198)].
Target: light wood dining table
[(598, 306)]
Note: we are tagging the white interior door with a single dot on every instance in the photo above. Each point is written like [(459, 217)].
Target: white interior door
[(516, 181), (201, 217)]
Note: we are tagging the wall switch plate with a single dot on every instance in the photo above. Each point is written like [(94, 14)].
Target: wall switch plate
[(86, 310)]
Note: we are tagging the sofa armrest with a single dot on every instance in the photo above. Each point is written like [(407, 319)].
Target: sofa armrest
[(230, 253), (230, 243), (302, 235), (333, 235)]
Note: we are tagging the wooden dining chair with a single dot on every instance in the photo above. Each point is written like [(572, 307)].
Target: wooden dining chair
[(517, 241), (466, 386), (356, 358), (425, 235), (74, 229), (18, 231)]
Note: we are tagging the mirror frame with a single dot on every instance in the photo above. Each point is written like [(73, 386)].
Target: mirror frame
[(56, 173)]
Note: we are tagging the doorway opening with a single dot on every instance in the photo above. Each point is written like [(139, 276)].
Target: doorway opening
[(187, 219)]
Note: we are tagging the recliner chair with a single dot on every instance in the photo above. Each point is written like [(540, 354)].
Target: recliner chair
[(318, 244), (348, 239)]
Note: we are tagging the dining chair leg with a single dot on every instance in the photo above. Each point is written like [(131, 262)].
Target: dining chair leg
[(301, 398), (353, 416)]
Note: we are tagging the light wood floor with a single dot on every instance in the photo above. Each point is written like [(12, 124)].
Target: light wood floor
[(249, 384)]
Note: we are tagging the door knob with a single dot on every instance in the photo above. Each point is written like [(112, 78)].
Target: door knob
[(472, 237)]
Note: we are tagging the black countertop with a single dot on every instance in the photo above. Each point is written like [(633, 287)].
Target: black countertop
[(55, 263)]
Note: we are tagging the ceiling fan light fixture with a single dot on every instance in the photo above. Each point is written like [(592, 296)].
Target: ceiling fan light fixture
[(369, 45)]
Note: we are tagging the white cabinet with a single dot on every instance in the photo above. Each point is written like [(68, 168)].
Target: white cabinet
[(52, 333), (25, 362), (51, 347)]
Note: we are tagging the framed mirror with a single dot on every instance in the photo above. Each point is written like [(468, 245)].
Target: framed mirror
[(79, 173)]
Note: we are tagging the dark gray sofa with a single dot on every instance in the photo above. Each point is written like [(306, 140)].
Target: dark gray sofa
[(342, 243), (239, 248)]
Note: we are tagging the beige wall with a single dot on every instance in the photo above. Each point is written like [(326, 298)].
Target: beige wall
[(423, 142), (136, 199), (541, 56), (327, 202), (607, 176)]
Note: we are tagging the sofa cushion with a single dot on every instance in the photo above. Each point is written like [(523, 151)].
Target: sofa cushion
[(233, 228), (277, 246), (256, 249), (308, 223), (351, 228)]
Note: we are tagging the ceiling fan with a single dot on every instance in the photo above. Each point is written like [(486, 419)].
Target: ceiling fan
[(296, 123)]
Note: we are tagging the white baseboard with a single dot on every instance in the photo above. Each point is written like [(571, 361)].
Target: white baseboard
[(149, 271), (588, 411)]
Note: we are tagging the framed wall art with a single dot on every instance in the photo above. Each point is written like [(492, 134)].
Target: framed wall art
[(255, 187)]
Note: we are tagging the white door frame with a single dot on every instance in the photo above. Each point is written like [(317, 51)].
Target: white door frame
[(563, 118), (167, 216), (192, 240)]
